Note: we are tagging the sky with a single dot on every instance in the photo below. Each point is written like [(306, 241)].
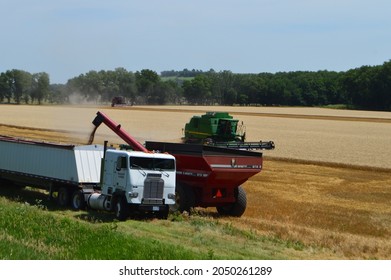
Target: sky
[(66, 38)]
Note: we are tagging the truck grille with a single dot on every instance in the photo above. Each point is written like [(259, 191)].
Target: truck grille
[(153, 189)]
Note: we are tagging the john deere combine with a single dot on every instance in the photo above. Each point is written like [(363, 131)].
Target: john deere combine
[(222, 130)]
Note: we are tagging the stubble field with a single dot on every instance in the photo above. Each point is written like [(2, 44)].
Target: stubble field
[(327, 185)]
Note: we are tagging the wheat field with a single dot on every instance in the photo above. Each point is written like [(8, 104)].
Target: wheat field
[(327, 184)]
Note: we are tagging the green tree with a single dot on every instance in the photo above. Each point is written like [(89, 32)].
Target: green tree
[(21, 85), (6, 86), (40, 87), (146, 80), (381, 88), (197, 90), (126, 84), (58, 94)]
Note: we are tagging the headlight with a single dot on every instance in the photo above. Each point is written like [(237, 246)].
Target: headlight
[(133, 194)]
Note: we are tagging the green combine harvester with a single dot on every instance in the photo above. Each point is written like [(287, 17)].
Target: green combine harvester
[(222, 130)]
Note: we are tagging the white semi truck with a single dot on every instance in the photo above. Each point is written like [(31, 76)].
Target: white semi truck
[(91, 175)]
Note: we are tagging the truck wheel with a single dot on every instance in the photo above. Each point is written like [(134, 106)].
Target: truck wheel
[(164, 214), (78, 202), (63, 197), (237, 208), (184, 199), (121, 208)]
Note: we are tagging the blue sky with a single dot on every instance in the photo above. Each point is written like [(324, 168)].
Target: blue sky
[(66, 38)]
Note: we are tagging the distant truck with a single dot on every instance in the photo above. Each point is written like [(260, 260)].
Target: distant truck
[(220, 129), (92, 175), (118, 101)]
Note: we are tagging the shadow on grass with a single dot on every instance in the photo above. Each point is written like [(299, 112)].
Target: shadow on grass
[(41, 199)]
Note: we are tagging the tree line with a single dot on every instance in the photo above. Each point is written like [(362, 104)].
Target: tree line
[(21, 86), (367, 87)]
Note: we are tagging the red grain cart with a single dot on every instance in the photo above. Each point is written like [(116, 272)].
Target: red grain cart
[(210, 176)]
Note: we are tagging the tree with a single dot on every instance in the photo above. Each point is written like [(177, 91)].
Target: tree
[(197, 90), (21, 85), (146, 80), (382, 87), (6, 86), (126, 84), (40, 87), (58, 94)]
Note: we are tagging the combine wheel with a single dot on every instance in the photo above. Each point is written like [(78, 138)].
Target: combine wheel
[(184, 199), (121, 208), (77, 201), (63, 197), (237, 208), (208, 141)]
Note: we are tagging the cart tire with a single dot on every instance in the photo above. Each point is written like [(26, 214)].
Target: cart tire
[(240, 205), (63, 197), (121, 208), (237, 208), (77, 200), (184, 199)]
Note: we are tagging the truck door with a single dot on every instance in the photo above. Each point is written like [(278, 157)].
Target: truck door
[(120, 172)]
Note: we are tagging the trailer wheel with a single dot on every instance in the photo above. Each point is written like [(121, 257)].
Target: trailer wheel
[(184, 199), (237, 208), (77, 201), (63, 198), (121, 208)]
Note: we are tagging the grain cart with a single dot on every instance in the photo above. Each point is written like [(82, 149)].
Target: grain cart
[(206, 176), (209, 176), (77, 176), (220, 129)]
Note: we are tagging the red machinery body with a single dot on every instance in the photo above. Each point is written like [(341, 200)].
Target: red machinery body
[(212, 172), (101, 117), (210, 176)]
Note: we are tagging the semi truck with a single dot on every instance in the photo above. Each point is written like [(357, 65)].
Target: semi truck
[(94, 176)]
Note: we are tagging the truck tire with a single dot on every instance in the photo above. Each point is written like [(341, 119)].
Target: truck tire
[(184, 199), (77, 200), (237, 208), (121, 208), (63, 197), (164, 214)]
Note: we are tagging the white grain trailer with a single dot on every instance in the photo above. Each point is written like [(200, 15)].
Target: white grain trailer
[(124, 181)]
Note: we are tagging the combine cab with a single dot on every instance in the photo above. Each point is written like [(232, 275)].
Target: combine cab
[(221, 130)]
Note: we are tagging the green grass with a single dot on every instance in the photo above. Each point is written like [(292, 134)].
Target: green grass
[(31, 232), (38, 230)]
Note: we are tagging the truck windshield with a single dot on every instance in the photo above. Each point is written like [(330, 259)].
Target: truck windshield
[(152, 163)]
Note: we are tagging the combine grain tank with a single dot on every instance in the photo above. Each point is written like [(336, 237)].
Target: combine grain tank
[(220, 129)]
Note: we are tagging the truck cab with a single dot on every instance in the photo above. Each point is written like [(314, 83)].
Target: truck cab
[(138, 181)]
